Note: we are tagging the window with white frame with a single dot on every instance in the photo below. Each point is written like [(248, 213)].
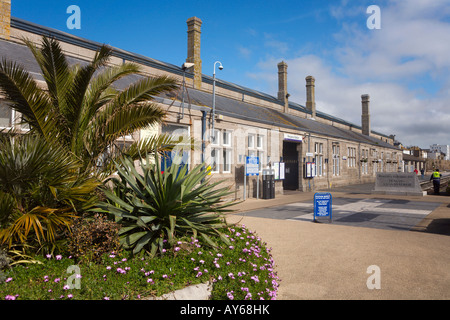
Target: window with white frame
[(364, 161), (10, 118), (6, 115), (260, 151), (226, 138), (351, 157), (215, 137), (227, 150), (180, 133), (226, 160), (318, 148), (336, 159), (221, 151), (259, 141), (374, 154), (251, 140), (256, 148), (215, 154), (260, 155)]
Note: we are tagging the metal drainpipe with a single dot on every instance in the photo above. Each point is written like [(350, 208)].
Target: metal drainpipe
[(204, 113)]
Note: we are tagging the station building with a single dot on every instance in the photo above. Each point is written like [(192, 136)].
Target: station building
[(307, 149)]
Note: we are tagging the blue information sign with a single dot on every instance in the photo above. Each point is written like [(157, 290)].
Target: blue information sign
[(252, 166), (322, 205)]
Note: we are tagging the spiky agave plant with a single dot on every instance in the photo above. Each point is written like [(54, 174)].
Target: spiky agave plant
[(153, 206)]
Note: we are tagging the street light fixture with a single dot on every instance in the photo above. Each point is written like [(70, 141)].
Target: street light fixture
[(214, 94), (184, 67)]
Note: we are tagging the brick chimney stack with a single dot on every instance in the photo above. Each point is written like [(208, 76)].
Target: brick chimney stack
[(365, 117), (193, 53), (5, 19), (282, 85), (310, 95)]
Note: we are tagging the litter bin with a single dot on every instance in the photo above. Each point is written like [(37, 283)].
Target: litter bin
[(268, 184)]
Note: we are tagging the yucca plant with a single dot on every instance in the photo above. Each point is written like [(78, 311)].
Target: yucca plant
[(42, 188), (155, 207), (81, 107)]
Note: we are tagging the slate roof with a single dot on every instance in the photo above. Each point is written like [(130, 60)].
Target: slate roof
[(225, 106), (234, 108)]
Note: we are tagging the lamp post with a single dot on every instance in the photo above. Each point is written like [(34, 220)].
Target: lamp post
[(214, 95)]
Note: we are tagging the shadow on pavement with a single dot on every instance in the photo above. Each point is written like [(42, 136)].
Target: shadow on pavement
[(438, 226)]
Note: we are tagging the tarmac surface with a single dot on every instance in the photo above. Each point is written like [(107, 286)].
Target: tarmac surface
[(377, 247)]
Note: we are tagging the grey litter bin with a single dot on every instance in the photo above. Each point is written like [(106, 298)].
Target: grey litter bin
[(268, 184)]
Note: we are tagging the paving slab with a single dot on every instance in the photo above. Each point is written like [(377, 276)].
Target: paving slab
[(371, 213), (337, 260)]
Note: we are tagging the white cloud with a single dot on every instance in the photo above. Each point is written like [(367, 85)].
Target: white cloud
[(388, 64)]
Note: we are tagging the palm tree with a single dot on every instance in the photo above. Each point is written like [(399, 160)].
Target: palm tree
[(80, 108)]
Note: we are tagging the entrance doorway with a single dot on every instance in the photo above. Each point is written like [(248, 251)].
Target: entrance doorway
[(290, 158)]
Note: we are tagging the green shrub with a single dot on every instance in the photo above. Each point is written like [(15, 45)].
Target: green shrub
[(153, 206), (41, 190), (92, 237)]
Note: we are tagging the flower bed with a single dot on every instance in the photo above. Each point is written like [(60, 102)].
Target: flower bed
[(242, 271)]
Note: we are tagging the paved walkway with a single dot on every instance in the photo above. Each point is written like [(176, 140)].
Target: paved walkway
[(335, 261)]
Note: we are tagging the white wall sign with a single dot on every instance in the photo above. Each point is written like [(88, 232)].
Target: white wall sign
[(293, 137)]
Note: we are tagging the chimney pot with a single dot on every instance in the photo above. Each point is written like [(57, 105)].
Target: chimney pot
[(283, 94), (365, 116), (310, 95), (5, 19), (193, 53)]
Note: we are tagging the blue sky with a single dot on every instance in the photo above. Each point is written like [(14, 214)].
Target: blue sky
[(404, 66)]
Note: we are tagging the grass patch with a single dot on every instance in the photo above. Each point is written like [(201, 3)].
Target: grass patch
[(242, 271)]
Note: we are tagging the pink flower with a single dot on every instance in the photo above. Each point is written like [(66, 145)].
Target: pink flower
[(9, 297), (120, 270), (58, 257), (57, 280), (70, 296), (8, 279)]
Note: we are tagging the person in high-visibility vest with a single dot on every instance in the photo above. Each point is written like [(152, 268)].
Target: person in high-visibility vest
[(436, 177)]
